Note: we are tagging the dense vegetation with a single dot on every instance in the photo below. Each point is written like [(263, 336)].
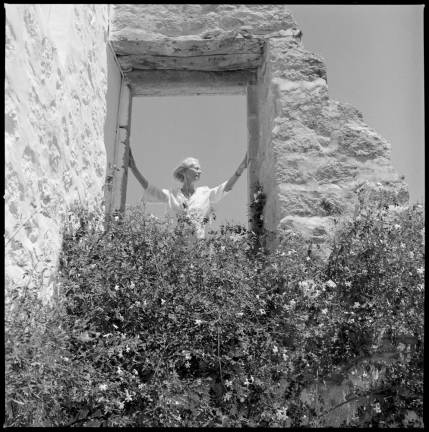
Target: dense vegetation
[(152, 328)]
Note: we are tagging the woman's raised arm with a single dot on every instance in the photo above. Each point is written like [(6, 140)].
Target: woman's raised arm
[(152, 190), (231, 182)]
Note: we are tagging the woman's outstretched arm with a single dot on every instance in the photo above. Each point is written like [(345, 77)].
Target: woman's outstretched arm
[(152, 190), (231, 182)]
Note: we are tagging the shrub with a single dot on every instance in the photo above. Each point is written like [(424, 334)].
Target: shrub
[(154, 328)]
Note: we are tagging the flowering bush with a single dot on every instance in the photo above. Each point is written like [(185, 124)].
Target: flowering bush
[(156, 328)]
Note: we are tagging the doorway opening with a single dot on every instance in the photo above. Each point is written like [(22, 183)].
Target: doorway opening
[(212, 128)]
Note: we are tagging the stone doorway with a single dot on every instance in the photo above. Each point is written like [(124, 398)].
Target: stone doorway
[(198, 68), (307, 150)]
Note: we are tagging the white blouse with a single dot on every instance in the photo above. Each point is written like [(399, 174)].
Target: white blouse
[(197, 207)]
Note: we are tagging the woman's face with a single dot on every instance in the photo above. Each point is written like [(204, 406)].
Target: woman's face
[(193, 172)]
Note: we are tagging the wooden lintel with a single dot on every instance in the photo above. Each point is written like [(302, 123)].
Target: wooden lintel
[(221, 62)]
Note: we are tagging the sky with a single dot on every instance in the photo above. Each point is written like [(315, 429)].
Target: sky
[(374, 59)]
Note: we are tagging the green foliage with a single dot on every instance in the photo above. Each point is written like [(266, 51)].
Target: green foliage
[(156, 328)]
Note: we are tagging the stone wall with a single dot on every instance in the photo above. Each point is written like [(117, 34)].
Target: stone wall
[(55, 111), (323, 149), (62, 90)]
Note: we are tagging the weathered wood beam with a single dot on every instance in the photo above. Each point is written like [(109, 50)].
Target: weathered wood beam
[(185, 47), (218, 62), (120, 162), (253, 137), (171, 82)]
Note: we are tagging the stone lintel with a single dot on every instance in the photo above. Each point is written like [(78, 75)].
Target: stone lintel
[(172, 82)]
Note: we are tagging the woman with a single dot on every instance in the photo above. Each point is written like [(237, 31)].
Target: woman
[(188, 200)]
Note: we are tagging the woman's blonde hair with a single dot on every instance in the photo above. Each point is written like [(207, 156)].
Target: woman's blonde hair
[(186, 163)]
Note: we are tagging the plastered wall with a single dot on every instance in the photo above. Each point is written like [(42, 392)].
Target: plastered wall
[(56, 86)]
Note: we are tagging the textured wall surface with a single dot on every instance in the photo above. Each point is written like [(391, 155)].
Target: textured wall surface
[(55, 108), (323, 150), (313, 152)]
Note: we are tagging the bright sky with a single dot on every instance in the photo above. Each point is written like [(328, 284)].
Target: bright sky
[(374, 58), (166, 130)]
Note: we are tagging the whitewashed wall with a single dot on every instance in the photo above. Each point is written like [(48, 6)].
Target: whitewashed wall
[(56, 102)]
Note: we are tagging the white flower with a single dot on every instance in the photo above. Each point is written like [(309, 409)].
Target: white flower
[(247, 382), (135, 372), (187, 365), (275, 349), (377, 408), (411, 254), (420, 270), (397, 226), (228, 383), (379, 184), (348, 284), (356, 305), (132, 285), (308, 258), (262, 311), (227, 396), (115, 326), (187, 355), (116, 287), (292, 303), (120, 405), (198, 322), (402, 246), (331, 284), (103, 387), (309, 288), (285, 357), (128, 397), (324, 311), (281, 414), (239, 314), (306, 284), (119, 371), (127, 348), (162, 301)]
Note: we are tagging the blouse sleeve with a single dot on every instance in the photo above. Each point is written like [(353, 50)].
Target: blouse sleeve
[(218, 192), (157, 195)]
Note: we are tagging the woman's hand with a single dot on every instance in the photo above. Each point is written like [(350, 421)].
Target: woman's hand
[(231, 182), (243, 165)]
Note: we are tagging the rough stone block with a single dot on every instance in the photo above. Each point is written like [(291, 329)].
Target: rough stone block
[(307, 200), (358, 141)]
